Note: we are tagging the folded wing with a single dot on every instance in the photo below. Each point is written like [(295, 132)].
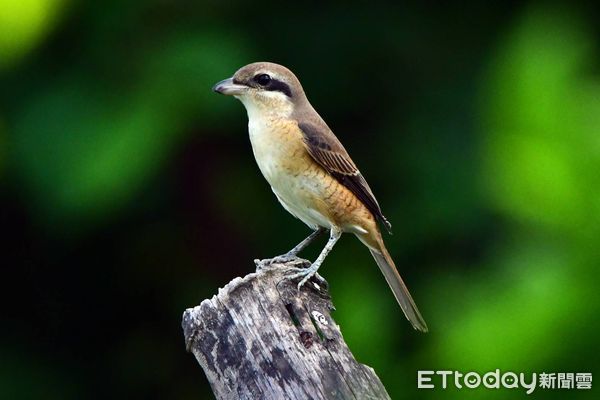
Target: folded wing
[(328, 152)]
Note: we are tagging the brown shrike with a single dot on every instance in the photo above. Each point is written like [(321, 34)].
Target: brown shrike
[(310, 172)]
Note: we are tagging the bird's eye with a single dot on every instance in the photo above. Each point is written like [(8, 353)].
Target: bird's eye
[(262, 79)]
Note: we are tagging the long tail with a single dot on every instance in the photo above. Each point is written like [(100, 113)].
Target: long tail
[(388, 268)]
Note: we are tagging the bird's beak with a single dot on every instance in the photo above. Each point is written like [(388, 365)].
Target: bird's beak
[(228, 88)]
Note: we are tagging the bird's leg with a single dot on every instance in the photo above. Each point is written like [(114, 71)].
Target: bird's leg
[(307, 273), (293, 253)]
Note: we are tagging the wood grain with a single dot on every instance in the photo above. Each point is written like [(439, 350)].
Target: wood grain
[(262, 338)]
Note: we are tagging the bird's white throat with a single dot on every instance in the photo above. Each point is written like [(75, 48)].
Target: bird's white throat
[(266, 105)]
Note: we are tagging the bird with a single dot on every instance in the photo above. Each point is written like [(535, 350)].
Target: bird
[(311, 173)]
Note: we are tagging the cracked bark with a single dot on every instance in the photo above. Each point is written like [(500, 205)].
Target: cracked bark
[(261, 338)]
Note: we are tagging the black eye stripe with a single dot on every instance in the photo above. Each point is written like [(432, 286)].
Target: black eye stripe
[(279, 86), (268, 82)]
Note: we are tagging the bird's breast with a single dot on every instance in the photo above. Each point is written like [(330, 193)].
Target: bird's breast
[(301, 185), (278, 149), (285, 163)]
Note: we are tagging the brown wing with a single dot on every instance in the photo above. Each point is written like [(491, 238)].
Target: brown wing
[(327, 150)]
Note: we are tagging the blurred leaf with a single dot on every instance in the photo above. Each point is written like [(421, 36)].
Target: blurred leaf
[(3, 148), (84, 150), (505, 319), (369, 305), (23, 24), (540, 152), (540, 163)]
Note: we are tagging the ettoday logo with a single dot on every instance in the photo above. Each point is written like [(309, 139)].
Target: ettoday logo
[(509, 380)]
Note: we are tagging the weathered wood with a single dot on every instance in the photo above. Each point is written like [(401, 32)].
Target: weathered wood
[(261, 338)]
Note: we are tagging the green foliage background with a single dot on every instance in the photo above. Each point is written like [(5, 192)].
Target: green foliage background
[(128, 190)]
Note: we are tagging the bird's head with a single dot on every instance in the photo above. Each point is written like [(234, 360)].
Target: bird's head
[(264, 87)]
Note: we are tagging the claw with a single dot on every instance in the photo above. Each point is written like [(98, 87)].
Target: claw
[(282, 259), (303, 281), (305, 274), (285, 259), (300, 268)]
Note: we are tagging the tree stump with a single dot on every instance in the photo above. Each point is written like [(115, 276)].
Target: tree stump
[(262, 338)]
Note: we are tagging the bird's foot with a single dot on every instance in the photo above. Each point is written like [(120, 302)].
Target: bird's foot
[(287, 258), (306, 274), (295, 267), (284, 261), (284, 258)]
